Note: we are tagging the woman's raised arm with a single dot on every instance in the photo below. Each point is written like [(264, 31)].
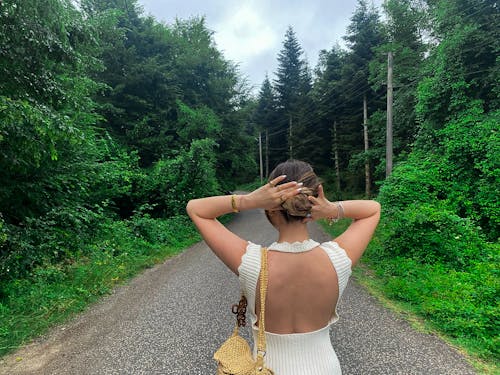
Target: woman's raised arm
[(366, 215), (228, 246)]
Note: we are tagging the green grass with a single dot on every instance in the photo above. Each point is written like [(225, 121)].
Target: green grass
[(55, 292), (459, 307)]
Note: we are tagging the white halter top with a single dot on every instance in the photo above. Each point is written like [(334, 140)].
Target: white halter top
[(297, 353)]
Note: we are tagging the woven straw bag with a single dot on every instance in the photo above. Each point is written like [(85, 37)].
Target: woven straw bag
[(234, 357)]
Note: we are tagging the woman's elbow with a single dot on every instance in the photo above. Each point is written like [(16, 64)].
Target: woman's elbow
[(190, 207)]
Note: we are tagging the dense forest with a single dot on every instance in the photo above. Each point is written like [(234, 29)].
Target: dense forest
[(110, 121)]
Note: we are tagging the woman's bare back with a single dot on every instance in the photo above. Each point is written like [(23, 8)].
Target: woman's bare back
[(302, 291)]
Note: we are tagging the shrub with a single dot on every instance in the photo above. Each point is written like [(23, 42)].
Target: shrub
[(460, 303), (172, 231), (172, 183), (57, 236), (430, 233)]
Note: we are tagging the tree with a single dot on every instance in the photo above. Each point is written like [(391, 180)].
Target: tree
[(46, 115), (364, 34), (265, 117), (49, 147), (404, 29), (326, 94), (289, 85), (463, 66)]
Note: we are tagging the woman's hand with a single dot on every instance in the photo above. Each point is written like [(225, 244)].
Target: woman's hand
[(271, 195), (322, 207)]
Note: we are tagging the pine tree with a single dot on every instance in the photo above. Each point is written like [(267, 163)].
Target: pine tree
[(266, 121), (364, 34), (288, 85), (326, 94)]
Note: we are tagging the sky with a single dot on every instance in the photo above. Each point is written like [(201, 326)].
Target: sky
[(251, 32)]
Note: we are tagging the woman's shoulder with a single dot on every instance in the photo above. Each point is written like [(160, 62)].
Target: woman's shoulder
[(341, 262), (251, 259), (337, 254), (334, 246), (252, 251)]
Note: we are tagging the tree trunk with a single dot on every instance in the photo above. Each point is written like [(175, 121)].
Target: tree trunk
[(267, 153), (388, 155), (336, 156), (367, 162)]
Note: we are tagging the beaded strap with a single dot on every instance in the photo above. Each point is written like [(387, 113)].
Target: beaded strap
[(240, 309), (261, 341)]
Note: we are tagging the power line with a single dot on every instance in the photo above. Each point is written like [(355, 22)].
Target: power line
[(357, 91)]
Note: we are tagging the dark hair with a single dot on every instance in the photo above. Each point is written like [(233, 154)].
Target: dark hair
[(297, 207)]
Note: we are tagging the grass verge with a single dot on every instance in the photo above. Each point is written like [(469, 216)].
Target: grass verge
[(53, 293), (424, 295)]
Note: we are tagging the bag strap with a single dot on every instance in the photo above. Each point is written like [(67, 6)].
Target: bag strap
[(240, 310), (261, 340)]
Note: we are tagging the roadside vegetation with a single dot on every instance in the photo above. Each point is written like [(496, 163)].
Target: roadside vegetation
[(110, 121)]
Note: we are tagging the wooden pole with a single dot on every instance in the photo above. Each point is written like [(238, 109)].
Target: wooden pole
[(267, 153), (336, 156), (388, 155), (367, 162), (290, 137), (260, 157)]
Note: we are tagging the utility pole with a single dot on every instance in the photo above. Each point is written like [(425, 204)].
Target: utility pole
[(290, 137), (267, 153), (336, 156), (367, 162), (260, 156), (388, 152)]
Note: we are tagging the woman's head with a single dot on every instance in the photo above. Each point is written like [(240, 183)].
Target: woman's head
[(296, 208)]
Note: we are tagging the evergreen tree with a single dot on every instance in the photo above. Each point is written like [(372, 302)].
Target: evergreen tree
[(288, 85), (364, 34), (265, 118), (327, 94), (306, 136)]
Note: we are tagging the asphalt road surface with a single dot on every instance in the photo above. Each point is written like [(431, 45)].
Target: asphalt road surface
[(171, 319)]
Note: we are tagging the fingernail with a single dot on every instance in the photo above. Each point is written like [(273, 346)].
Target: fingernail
[(300, 184), (299, 190)]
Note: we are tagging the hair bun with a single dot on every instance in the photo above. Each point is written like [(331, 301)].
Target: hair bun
[(299, 205)]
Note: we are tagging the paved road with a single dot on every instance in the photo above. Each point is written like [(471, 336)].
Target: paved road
[(171, 318)]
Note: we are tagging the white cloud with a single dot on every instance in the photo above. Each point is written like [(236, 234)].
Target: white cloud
[(243, 35), (251, 32)]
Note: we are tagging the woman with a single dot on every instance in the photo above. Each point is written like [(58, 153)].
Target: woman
[(306, 279)]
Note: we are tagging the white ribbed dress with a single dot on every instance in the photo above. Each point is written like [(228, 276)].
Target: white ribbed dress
[(308, 353)]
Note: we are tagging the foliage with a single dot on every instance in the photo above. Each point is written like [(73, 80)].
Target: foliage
[(459, 303), (55, 237), (461, 176), (110, 121), (197, 124), (51, 293), (99, 115), (173, 182), (438, 239), (436, 235), (463, 67), (46, 113)]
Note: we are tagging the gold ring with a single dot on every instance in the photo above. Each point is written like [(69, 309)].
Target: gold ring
[(271, 184), (278, 187), (282, 199)]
